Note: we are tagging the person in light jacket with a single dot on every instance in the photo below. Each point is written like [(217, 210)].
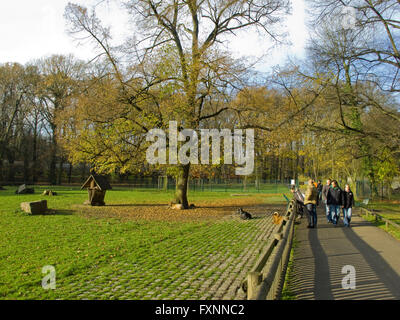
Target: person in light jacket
[(347, 205), (310, 201)]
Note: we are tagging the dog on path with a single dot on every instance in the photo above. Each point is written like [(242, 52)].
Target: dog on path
[(277, 218), (244, 215)]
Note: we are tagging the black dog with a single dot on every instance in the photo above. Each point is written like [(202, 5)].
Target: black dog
[(244, 215)]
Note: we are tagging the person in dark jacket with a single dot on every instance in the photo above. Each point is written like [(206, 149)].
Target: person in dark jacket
[(298, 196), (334, 201), (347, 205), (324, 195), (319, 189)]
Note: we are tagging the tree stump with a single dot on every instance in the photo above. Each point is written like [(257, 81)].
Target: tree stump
[(49, 193), (35, 207)]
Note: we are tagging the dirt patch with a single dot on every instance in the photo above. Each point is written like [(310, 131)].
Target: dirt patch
[(205, 210)]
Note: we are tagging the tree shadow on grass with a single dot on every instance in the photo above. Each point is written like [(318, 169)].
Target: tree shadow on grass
[(136, 205), (53, 212)]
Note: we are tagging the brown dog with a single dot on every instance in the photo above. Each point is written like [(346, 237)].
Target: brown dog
[(277, 218)]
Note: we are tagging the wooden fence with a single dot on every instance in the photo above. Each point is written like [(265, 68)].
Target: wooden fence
[(378, 217), (265, 280)]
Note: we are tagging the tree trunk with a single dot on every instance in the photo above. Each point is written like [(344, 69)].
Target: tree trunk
[(181, 186), (60, 171), (165, 187), (11, 171), (83, 172), (389, 190), (34, 155), (26, 168), (52, 171), (1, 170), (70, 173), (26, 155), (53, 158)]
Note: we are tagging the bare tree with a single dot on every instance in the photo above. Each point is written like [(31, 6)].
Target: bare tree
[(14, 87), (60, 77), (354, 94), (191, 32), (376, 27)]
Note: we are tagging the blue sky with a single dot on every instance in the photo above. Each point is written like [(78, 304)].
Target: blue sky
[(33, 29)]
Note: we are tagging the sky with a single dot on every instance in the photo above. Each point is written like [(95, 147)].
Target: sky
[(31, 29)]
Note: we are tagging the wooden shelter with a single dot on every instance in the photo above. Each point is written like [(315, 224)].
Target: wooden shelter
[(97, 186)]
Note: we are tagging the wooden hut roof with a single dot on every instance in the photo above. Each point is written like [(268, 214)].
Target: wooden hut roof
[(101, 182)]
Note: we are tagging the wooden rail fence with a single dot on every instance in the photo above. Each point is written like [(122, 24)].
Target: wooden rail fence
[(265, 280), (378, 217)]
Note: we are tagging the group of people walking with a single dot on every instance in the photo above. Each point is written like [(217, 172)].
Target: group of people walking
[(333, 197)]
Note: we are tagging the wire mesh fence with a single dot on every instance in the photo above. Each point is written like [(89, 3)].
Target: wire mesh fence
[(363, 189), (229, 185)]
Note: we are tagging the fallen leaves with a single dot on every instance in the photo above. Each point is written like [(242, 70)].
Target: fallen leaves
[(204, 210)]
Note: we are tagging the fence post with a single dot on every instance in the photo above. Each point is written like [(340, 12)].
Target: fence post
[(253, 280)]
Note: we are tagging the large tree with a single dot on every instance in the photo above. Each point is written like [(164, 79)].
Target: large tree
[(16, 82), (183, 39), (60, 79), (375, 28), (357, 88)]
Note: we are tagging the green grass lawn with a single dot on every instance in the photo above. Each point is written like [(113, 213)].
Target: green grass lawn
[(287, 291), (107, 258)]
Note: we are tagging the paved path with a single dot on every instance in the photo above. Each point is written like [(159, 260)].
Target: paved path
[(321, 254)]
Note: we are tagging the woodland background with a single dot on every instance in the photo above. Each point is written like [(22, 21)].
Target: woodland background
[(335, 114)]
